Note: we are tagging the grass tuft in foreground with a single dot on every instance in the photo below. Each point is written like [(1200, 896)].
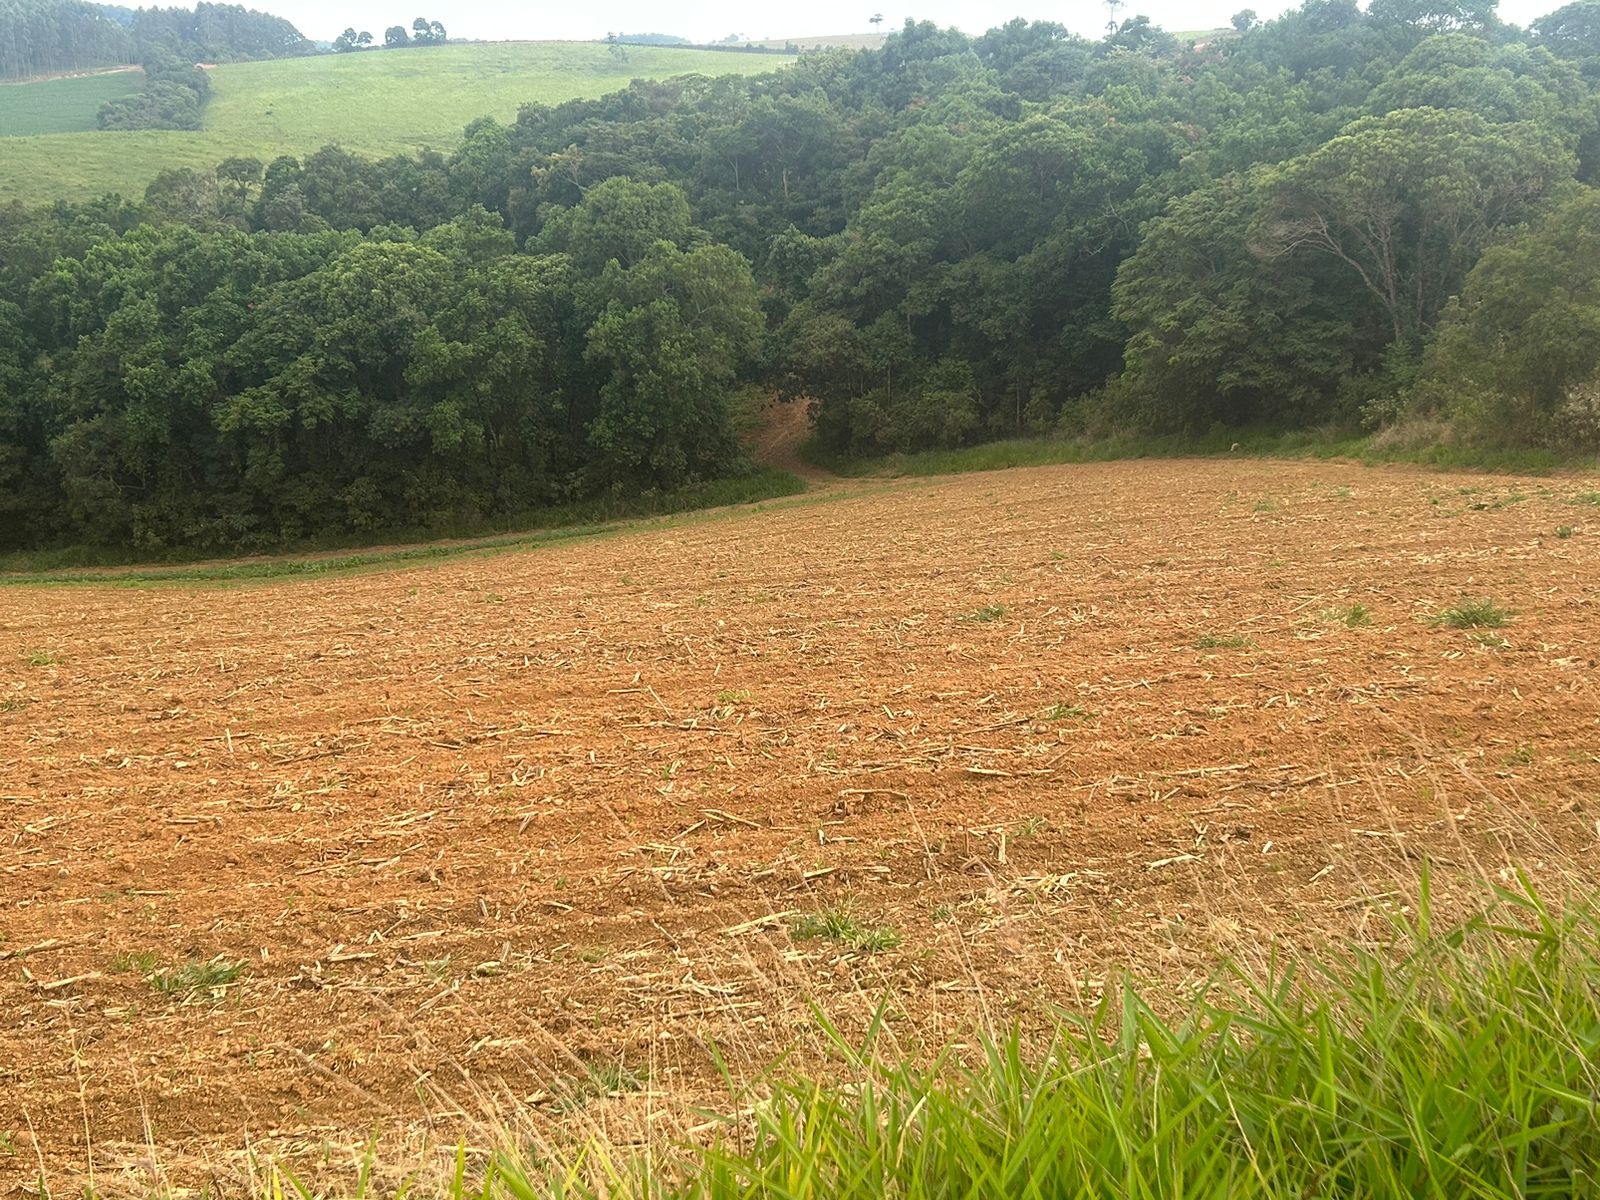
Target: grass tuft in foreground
[(1459, 1062), (1356, 616)]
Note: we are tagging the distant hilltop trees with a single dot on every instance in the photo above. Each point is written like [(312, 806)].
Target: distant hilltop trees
[(648, 39), (42, 37), (216, 33), (423, 33)]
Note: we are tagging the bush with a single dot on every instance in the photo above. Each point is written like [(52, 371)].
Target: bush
[(1520, 350)]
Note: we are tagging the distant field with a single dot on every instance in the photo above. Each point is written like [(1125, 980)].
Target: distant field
[(383, 102), (60, 105), (848, 41)]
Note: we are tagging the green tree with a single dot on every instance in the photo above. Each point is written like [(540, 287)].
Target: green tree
[(669, 344), (618, 219), (1571, 31), (1407, 200), (1219, 335), (1520, 349), (1434, 16), (1498, 83), (238, 181)]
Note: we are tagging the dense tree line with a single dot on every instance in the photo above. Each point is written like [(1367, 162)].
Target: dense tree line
[(217, 33), (174, 92), (1330, 218), (232, 389), (39, 37)]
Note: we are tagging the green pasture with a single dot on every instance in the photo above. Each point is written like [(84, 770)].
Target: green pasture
[(378, 103)]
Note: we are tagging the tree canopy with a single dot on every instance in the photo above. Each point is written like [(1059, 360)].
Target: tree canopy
[(1332, 216), (38, 37)]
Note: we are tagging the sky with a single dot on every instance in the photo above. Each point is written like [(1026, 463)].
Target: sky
[(709, 20)]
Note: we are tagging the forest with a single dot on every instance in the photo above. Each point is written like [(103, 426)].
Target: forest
[(1336, 219), (40, 37)]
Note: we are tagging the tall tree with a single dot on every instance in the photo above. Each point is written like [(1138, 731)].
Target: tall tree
[(1405, 201)]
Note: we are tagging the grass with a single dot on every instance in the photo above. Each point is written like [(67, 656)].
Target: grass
[(598, 1081), (1356, 616), (1064, 712), (69, 105), (847, 41), (144, 963), (381, 103), (984, 615), (1474, 614), (1231, 641), (1439, 1060), (1252, 443), (190, 978), (841, 925), (539, 527)]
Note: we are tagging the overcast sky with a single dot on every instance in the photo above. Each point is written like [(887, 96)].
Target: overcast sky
[(707, 20)]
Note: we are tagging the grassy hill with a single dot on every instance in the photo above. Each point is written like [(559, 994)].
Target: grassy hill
[(65, 105), (383, 102)]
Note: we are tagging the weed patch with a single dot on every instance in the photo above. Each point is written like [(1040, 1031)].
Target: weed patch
[(1356, 616), (982, 616), (194, 977), (1474, 614), (1230, 641), (840, 925)]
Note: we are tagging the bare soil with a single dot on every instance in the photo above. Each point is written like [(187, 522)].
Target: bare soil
[(75, 74), (526, 834), (780, 441)]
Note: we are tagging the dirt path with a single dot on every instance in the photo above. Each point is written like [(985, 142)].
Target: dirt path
[(520, 838), (73, 75), (786, 427)]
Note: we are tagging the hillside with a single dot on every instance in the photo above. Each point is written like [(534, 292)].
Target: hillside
[(64, 105), (379, 103)]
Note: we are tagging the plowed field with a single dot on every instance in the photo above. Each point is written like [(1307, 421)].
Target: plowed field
[(288, 864)]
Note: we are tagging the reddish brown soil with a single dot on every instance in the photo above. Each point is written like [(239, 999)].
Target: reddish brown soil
[(779, 441), (476, 827)]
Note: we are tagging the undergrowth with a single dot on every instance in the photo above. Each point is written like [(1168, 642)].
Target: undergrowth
[(1249, 443), (542, 526)]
